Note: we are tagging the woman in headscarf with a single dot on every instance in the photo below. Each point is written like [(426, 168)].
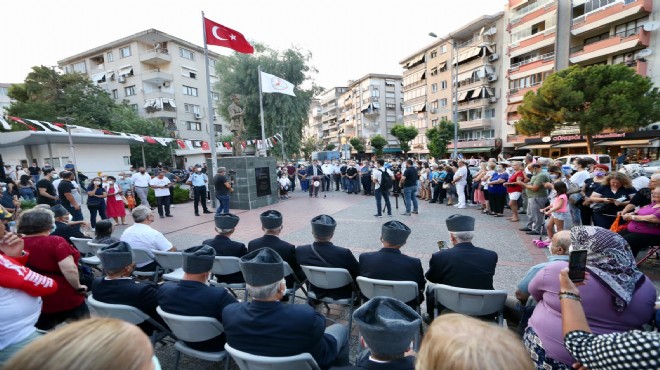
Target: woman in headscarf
[(620, 297)]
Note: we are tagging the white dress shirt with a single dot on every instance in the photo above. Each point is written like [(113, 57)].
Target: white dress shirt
[(164, 192), (144, 237), (141, 180)]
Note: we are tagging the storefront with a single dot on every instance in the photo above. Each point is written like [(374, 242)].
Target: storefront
[(636, 145)]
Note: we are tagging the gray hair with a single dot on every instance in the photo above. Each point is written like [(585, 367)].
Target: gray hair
[(35, 221), (264, 291), (544, 162), (224, 231), (222, 169), (655, 176), (140, 213), (462, 236), (562, 239)]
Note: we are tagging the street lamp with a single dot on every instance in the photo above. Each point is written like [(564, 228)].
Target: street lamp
[(454, 71)]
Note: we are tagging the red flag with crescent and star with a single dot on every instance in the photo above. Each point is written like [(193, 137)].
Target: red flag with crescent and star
[(217, 34)]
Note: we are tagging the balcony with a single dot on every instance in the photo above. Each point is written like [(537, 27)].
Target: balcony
[(537, 41), (481, 123), (516, 95), (618, 43), (475, 103), (532, 11), (473, 143), (155, 76), (156, 57), (543, 63), (617, 12), (161, 113), (641, 68), (158, 94)]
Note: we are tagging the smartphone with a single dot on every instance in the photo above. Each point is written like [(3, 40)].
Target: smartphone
[(577, 265), (441, 244)]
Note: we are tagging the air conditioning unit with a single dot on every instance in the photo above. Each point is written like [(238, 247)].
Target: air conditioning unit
[(121, 79), (166, 84), (198, 115), (492, 99), (493, 57), (492, 77)]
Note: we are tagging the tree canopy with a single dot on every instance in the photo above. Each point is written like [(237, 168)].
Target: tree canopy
[(309, 145), (439, 137), (595, 98), (282, 113), (404, 134), (378, 142), (357, 143)]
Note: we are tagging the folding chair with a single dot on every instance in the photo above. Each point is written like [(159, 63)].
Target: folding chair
[(142, 256), (288, 271), (194, 329), (331, 278), (472, 302), (129, 314), (96, 246), (246, 361), (651, 252), (172, 264), (88, 254), (225, 266)]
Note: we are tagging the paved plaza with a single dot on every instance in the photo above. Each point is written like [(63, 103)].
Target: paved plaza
[(358, 230)]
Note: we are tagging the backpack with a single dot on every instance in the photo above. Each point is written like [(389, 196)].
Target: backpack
[(385, 180)]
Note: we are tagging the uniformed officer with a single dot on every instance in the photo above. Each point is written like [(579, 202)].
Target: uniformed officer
[(225, 225), (198, 181)]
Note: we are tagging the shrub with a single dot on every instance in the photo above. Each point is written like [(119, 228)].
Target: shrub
[(180, 196)]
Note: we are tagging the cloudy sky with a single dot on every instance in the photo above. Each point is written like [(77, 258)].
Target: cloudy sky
[(347, 39)]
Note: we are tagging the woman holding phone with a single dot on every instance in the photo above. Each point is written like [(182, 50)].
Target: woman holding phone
[(619, 298), (611, 198)]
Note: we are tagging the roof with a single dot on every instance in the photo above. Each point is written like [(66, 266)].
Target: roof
[(149, 36), (374, 75), (8, 139)]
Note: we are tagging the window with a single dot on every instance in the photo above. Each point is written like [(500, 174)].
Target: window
[(375, 93), (191, 108), (434, 71), (127, 160), (434, 104), (444, 68), (215, 96), (188, 72), (129, 90), (109, 57), (194, 126), (3, 91), (115, 94), (125, 52), (390, 118), (443, 49), (490, 113), (186, 54), (192, 91), (434, 122), (389, 95), (443, 102), (390, 106), (434, 53), (79, 67), (135, 108), (434, 88), (212, 64), (55, 162), (443, 85)]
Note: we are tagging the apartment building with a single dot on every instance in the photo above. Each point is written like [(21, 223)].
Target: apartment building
[(549, 35), (371, 106), (160, 76), (330, 111), (314, 125), (4, 97), (466, 63)]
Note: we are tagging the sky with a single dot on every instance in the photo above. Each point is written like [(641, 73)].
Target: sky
[(347, 39)]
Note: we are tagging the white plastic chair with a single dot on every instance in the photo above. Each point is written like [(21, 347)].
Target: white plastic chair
[(331, 278), (472, 302), (88, 254), (225, 266), (172, 263), (142, 256), (129, 314), (96, 246), (246, 361), (194, 329), (297, 284)]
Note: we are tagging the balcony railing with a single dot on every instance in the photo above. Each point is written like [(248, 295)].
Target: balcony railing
[(517, 14), (544, 57), (622, 34), (155, 56)]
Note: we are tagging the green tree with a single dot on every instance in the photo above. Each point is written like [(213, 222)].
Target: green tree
[(404, 134), (595, 98), (378, 142), (439, 137), (282, 113), (330, 146), (125, 119), (46, 95), (309, 145), (357, 143)]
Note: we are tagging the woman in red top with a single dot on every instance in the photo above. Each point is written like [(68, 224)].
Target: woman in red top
[(53, 257), (514, 190)]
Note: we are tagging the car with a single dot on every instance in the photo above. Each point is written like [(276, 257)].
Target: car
[(520, 158), (567, 161), (651, 168)]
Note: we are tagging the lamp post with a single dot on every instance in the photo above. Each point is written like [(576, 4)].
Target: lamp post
[(454, 72)]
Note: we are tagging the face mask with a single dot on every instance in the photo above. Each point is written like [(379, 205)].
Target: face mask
[(97, 182), (554, 177), (499, 169), (111, 182), (69, 217), (156, 363), (599, 174)]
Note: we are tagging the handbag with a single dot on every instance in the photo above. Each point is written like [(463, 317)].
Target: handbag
[(445, 185), (572, 188), (617, 226)]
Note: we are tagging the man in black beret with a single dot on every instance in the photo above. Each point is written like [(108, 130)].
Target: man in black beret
[(267, 327), (192, 296), (323, 253), (390, 264), (225, 225), (118, 287), (271, 224), (464, 265)]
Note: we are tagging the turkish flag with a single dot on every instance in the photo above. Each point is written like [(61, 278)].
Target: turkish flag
[(217, 34), (205, 146), (181, 144), (149, 139)]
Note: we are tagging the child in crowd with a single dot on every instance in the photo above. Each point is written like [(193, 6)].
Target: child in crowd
[(130, 200), (558, 212), (285, 185)]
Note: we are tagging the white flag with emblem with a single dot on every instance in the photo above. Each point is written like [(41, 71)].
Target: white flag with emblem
[(274, 84)]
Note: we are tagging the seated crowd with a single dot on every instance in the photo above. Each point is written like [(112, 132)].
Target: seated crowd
[(560, 325)]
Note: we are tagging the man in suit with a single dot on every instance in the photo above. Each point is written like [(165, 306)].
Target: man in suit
[(387, 327), (323, 253), (225, 225), (271, 224), (464, 265), (390, 264), (314, 173), (193, 297), (117, 287), (267, 327)]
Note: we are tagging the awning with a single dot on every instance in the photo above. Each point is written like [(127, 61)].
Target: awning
[(150, 103), (126, 71), (170, 102), (415, 60), (462, 95), (512, 108), (475, 150), (389, 82), (579, 144), (391, 150), (477, 93), (470, 53), (190, 68), (364, 107), (442, 65), (625, 142), (490, 92), (464, 76), (110, 75), (100, 77), (535, 146), (655, 143), (422, 76), (420, 108)]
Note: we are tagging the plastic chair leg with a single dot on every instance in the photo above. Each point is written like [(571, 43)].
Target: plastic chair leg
[(176, 361)]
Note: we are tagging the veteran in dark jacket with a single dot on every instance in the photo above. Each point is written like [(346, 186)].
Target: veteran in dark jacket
[(225, 225)]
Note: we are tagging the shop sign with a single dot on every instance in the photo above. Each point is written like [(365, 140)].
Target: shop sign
[(569, 138)]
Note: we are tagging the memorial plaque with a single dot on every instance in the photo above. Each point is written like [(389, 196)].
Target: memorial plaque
[(262, 176)]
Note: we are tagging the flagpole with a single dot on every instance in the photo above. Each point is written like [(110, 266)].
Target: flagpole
[(261, 108), (214, 156)]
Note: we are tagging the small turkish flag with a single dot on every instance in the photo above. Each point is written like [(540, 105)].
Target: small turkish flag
[(217, 34), (181, 144), (205, 146)]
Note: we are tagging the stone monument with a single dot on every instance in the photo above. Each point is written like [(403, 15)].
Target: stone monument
[(236, 125), (254, 180)]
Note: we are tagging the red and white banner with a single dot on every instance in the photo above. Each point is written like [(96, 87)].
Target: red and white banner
[(217, 34)]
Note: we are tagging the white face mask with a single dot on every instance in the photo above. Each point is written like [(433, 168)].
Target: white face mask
[(111, 182), (97, 182)]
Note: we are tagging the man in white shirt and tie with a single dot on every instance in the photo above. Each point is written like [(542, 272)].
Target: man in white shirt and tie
[(140, 182)]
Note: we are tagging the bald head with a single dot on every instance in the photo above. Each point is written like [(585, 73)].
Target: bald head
[(561, 242)]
